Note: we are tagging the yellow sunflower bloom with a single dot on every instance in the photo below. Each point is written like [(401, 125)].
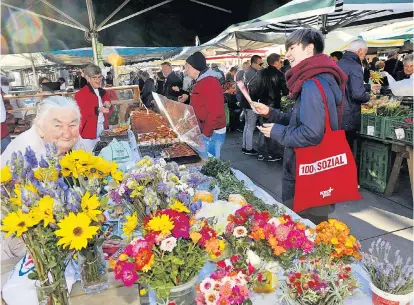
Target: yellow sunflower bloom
[(162, 224), (16, 222), (46, 174), (5, 174), (117, 176), (130, 225), (90, 205), (68, 166), (75, 231), (43, 211), (84, 161), (101, 168), (178, 206)]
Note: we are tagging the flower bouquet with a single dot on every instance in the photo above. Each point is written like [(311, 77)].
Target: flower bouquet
[(333, 239), (81, 228), (320, 281), (174, 242), (391, 279), (153, 185)]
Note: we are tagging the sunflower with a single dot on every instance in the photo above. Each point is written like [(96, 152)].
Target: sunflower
[(75, 231), (46, 174), (90, 205), (68, 166), (162, 223), (16, 222), (43, 211), (131, 224), (178, 206), (100, 168), (5, 174)]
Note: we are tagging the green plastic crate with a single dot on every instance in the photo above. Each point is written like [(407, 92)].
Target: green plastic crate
[(373, 125), (399, 130), (374, 165)]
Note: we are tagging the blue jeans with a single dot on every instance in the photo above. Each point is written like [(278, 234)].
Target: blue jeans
[(214, 143)]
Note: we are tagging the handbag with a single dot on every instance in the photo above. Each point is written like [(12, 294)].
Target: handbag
[(325, 173)]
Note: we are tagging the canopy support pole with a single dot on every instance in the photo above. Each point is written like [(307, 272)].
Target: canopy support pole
[(212, 6), (64, 14), (44, 17), (112, 14), (93, 33), (238, 52), (135, 14), (350, 20)]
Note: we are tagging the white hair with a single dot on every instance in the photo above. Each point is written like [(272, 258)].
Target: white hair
[(356, 45), (408, 58), (55, 102)]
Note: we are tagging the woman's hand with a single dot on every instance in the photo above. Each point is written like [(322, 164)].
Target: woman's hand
[(266, 129), (103, 110), (261, 109), (176, 89), (107, 104), (183, 98)]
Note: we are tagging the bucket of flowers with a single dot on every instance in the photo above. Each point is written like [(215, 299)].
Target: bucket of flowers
[(172, 240), (320, 281), (391, 279)]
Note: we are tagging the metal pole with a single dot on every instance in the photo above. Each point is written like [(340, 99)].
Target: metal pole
[(212, 6), (64, 14), (43, 17), (133, 15), (93, 32), (112, 14), (238, 51), (35, 84)]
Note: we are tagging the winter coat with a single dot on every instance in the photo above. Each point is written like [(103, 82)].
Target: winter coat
[(393, 66), (147, 90), (272, 85), (251, 81), (304, 126), (207, 100), (173, 80), (356, 93), (88, 105)]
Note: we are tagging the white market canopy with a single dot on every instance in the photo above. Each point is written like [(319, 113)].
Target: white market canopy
[(23, 61)]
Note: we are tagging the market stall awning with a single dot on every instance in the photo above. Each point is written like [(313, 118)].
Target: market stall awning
[(399, 30), (129, 55), (328, 15), (23, 61)]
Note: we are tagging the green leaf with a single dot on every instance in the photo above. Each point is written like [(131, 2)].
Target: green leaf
[(33, 276)]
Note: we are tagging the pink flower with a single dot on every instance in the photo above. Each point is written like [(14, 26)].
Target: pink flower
[(295, 239), (128, 274), (129, 250), (171, 303), (181, 224), (236, 296), (229, 228), (250, 269), (138, 245), (234, 259), (282, 233), (200, 299), (261, 219), (307, 246)]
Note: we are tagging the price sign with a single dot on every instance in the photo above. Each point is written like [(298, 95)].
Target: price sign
[(400, 134), (371, 130)]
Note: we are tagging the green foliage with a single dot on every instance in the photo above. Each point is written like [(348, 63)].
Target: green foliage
[(214, 167)]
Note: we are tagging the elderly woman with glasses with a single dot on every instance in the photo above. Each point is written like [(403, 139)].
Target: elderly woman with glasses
[(95, 107)]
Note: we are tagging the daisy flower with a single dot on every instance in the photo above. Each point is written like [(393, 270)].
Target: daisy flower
[(240, 231)]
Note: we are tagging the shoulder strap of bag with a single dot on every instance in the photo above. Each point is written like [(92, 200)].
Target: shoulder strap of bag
[(327, 120)]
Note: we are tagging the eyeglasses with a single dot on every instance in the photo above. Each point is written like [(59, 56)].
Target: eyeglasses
[(97, 77)]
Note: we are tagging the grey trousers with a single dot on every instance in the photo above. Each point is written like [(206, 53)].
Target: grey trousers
[(249, 126)]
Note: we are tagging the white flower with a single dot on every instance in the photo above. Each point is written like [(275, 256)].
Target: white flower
[(229, 280), (190, 191), (168, 244), (274, 221), (211, 297), (253, 259), (240, 231), (207, 285), (309, 235), (162, 162), (272, 267)]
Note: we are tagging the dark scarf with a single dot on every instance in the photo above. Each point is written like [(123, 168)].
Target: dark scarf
[(311, 67)]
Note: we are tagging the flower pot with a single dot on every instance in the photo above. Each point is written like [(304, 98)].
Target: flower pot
[(181, 295), (54, 294), (380, 297), (269, 284), (93, 270)]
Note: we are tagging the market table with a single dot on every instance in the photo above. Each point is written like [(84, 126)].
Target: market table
[(121, 295)]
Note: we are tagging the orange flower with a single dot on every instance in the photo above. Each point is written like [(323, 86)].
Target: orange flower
[(212, 245), (257, 233), (143, 259), (278, 250), (300, 226)]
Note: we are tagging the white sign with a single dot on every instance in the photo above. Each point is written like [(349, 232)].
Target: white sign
[(323, 165), (400, 134), (371, 130)]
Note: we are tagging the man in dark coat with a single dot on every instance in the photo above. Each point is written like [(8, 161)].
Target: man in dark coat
[(173, 83), (272, 85), (304, 125), (393, 65), (147, 89), (356, 92)]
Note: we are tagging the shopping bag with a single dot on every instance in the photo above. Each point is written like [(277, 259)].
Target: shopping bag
[(325, 173)]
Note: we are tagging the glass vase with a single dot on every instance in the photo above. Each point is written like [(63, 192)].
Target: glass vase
[(54, 294), (181, 295), (93, 270)]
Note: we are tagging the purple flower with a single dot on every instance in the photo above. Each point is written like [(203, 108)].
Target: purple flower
[(115, 197), (30, 158), (162, 188), (43, 163), (194, 180), (147, 210), (73, 200), (195, 206), (62, 184), (183, 197)]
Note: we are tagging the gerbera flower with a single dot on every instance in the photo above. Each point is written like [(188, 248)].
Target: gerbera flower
[(75, 231), (168, 244), (240, 231), (178, 206), (43, 211), (295, 239), (143, 258), (282, 232), (207, 284), (161, 223), (5, 174), (130, 225), (89, 205), (16, 222), (128, 274), (211, 297)]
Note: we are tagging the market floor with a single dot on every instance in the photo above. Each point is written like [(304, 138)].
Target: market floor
[(390, 218)]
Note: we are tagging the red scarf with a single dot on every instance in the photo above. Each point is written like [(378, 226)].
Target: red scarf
[(310, 68)]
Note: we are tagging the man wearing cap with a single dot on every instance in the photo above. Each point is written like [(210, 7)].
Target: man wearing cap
[(207, 100), (5, 137), (393, 65)]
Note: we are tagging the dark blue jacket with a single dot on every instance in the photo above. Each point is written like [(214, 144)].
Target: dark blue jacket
[(304, 126), (356, 93)]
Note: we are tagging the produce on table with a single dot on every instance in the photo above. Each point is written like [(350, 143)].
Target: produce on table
[(204, 196), (237, 198)]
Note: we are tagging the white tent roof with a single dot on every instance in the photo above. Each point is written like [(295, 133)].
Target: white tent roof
[(23, 61)]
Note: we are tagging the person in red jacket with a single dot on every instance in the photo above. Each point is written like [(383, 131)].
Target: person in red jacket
[(207, 100), (95, 107)]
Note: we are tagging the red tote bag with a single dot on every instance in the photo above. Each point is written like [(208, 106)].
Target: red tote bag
[(325, 173)]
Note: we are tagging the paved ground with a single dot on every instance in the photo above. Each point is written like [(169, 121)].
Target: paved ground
[(375, 216)]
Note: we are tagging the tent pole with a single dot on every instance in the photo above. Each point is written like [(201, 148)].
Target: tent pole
[(238, 52), (35, 85), (64, 14), (94, 48), (93, 32), (112, 14)]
